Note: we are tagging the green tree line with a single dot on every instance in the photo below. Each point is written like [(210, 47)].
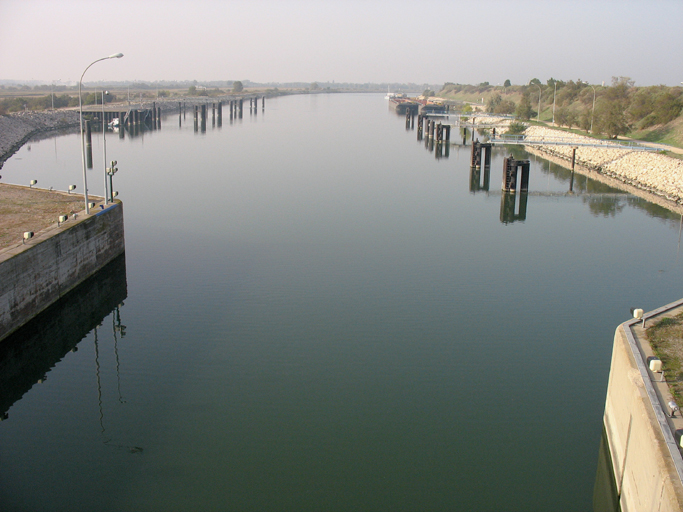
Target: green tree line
[(619, 108)]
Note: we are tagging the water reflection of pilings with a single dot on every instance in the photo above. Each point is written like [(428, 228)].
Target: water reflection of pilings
[(480, 179), (32, 351), (512, 210), (410, 120)]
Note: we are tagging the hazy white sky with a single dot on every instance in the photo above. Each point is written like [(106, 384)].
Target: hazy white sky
[(426, 41)]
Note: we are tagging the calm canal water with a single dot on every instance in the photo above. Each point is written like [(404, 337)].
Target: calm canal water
[(319, 314)]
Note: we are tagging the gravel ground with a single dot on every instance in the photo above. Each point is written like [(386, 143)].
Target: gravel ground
[(25, 209)]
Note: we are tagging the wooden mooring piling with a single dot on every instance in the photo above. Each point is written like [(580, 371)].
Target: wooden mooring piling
[(510, 169), (481, 152)]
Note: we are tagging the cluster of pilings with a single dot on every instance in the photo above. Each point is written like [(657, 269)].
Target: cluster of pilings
[(131, 118), (433, 130), (201, 114), (235, 111)]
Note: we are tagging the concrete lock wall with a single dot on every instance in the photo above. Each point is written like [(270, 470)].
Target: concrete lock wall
[(645, 473), (36, 274)]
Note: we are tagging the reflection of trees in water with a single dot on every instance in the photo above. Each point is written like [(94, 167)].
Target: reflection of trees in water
[(604, 206), (652, 210), (581, 182)]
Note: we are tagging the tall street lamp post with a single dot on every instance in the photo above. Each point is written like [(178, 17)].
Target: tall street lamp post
[(554, 94), (592, 111), (538, 117), (104, 149), (80, 109)]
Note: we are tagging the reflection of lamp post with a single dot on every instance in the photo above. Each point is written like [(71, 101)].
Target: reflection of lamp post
[(80, 109), (538, 117), (592, 111)]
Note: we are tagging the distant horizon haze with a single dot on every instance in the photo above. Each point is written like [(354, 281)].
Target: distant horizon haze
[(348, 41)]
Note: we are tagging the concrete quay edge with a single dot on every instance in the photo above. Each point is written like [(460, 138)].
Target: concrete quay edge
[(655, 389), (47, 267)]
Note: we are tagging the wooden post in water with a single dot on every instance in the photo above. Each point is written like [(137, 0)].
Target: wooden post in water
[(158, 117), (256, 105), (263, 103), (196, 118), (220, 114), (573, 158), (510, 166)]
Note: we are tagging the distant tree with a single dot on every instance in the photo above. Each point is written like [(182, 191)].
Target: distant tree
[(642, 103), (484, 84), (237, 86), (610, 113), (516, 128), (507, 83), (493, 102), (192, 91), (666, 107), (524, 110), (314, 86), (585, 119), (427, 93), (535, 81), (505, 107)]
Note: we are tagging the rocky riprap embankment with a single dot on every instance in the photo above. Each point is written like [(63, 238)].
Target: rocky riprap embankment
[(646, 170), (16, 129)]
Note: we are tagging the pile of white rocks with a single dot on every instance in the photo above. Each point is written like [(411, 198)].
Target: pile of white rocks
[(502, 122), (647, 170), (17, 128)]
